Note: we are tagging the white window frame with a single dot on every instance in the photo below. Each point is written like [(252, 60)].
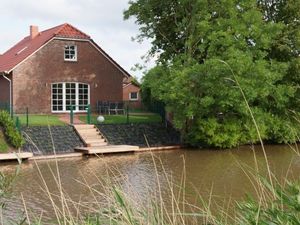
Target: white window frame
[(76, 110), (134, 99), (75, 50)]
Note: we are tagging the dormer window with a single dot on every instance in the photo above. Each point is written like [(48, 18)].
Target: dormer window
[(70, 53)]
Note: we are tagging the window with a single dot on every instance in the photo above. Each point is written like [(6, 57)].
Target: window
[(70, 53), (133, 96), (65, 95)]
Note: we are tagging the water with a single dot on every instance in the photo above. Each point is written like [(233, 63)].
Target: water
[(206, 170)]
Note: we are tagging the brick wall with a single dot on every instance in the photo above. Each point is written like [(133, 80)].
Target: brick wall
[(33, 78), (4, 89), (132, 88)]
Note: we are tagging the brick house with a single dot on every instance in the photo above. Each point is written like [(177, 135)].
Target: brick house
[(132, 93), (50, 70)]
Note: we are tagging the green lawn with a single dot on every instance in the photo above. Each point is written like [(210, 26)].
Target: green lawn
[(117, 119), (3, 145), (41, 120)]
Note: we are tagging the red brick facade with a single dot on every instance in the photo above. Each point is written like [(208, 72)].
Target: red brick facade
[(32, 78), (4, 89), (66, 58), (127, 89)]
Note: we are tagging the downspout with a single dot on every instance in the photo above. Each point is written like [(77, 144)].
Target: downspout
[(10, 94)]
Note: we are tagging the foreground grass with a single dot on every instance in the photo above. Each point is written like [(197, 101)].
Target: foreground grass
[(3, 145), (118, 119), (41, 120)]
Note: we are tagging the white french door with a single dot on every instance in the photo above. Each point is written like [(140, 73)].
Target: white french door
[(67, 94)]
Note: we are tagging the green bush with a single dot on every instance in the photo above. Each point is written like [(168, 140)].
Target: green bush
[(283, 208), (10, 131)]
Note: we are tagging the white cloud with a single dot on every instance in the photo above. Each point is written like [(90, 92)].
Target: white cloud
[(101, 19)]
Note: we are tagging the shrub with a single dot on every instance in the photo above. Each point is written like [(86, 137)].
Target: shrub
[(10, 131), (283, 208)]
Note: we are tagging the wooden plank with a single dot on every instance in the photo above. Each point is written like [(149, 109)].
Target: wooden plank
[(84, 126), (97, 144), (172, 147), (108, 149), (94, 136), (15, 155), (58, 156), (94, 140)]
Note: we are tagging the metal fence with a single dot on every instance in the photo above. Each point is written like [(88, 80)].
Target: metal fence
[(24, 116)]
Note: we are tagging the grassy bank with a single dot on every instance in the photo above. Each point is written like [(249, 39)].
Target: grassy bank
[(41, 120), (3, 145), (118, 119)]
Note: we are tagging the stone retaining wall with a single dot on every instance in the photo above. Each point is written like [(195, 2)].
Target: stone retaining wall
[(42, 140), (39, 139), (134, 134)]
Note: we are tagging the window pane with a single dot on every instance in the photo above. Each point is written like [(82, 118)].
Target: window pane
[(70, 52), (133, 95)]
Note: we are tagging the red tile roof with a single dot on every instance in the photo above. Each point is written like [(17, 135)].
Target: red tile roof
[(27, 46)]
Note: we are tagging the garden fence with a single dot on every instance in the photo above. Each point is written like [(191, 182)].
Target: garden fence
[(127, 113)]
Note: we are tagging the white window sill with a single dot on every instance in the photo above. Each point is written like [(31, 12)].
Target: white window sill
[(70, 60)]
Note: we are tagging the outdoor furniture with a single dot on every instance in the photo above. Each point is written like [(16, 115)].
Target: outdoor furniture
[(116, 107), (120, 107), (103, 107), (112, 107)]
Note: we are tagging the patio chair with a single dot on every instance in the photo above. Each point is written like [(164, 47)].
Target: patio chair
[(102, 107), (120, 107), (99, 104), (112, 108)]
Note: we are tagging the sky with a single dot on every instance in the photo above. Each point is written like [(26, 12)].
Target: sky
[(101, 19)]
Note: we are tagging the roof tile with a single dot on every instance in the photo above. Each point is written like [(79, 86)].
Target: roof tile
[(27, 46)]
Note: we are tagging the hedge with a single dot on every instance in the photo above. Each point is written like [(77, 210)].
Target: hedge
[(12, 134)]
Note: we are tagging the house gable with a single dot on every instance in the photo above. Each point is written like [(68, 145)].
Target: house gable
[(33, 78), (29, 46)]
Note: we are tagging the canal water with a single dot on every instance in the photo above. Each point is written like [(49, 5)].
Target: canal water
[(219, 172)]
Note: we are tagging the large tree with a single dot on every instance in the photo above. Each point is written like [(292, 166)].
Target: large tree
[(215, 58)]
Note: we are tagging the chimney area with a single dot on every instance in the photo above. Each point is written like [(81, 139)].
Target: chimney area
[(34, 31)]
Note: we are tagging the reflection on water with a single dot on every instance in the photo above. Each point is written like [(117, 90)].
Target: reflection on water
[(205, 169)]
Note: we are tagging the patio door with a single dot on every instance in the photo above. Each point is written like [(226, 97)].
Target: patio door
[(65, 95)]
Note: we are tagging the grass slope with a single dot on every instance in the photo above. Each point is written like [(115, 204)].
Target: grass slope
[(41, 120), (3, 145), (117, 119)]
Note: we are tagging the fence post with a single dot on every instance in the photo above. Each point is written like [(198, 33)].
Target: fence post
[(88, 114), (71, 115), (127, 113), (27, 117), (18, 123), (11, 111)]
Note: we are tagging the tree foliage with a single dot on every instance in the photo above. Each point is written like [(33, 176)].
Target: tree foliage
[(212, 54)]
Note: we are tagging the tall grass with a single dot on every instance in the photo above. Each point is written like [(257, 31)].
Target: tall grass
[(166, 203)]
